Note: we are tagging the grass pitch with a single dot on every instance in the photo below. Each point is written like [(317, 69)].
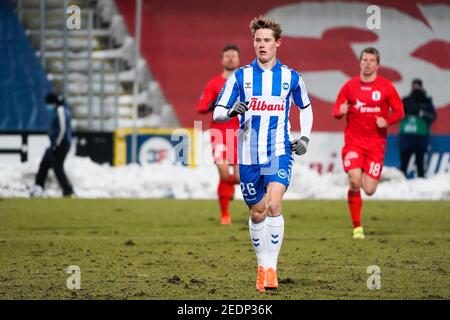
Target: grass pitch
[(173, 249)]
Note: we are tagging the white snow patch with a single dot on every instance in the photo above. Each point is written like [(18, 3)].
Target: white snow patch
[(92, 180)]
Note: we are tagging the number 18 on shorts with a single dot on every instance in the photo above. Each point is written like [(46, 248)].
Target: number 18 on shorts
[(371, 162)]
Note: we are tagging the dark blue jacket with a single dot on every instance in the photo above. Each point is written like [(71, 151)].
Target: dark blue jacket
[(60, 129)]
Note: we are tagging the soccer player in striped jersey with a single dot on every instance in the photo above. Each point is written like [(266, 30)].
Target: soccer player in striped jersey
[(260, 95)]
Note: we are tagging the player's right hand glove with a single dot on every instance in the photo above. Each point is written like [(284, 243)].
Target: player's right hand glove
[(300, 146), (238, 108)]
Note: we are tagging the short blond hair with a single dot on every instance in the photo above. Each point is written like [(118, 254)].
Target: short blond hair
[(266, 23)]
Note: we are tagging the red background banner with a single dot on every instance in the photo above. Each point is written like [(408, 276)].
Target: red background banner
[(181, 41)]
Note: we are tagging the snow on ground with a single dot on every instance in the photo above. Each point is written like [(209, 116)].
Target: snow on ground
[(92, 180)]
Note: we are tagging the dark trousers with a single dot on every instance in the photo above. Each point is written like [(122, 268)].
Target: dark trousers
[(55, 159), (405, 155)]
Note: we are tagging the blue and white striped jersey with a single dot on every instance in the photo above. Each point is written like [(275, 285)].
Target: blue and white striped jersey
[(264, 128)]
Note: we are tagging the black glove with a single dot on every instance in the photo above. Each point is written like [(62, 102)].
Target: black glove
[(300, 146), (238, 108), (53, 147)]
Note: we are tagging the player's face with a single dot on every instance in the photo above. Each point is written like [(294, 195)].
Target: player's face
[(417, 86), (369, 65), (265, 45), (230, 60)]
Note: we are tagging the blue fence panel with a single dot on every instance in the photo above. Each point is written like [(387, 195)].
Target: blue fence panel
[(437, 159), (23, 82)]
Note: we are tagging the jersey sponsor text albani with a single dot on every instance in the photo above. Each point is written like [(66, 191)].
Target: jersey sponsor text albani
[(264, 128)]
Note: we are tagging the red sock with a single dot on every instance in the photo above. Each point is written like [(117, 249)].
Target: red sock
[(225, 192), (224, 203), (354, 204), (231, 183)]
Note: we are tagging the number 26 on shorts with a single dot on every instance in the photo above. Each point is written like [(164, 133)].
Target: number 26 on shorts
[(248, 189)]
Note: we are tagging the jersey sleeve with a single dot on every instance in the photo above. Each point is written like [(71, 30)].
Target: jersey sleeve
[(341, 98), (229, 93), (207, 98), (300, 94), (396, 104)]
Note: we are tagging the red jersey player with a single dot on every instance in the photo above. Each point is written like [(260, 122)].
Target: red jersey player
[(366, 102), (223, 134)]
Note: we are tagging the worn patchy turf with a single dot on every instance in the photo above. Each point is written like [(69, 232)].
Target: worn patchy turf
[(172, 249)]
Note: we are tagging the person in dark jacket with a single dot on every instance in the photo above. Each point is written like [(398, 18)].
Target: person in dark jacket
[(415, 127), (60, 135)]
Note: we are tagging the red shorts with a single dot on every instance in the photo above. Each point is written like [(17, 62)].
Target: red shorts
[(224, 145), (369, 160)]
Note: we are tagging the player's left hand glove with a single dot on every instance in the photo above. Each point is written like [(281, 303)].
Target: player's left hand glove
[(238, 108), (300, 146)]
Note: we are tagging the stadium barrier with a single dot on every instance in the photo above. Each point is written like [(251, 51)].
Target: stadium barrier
[(97, 145), (29, 146), (155, 145), (437, 159), (191, 147)]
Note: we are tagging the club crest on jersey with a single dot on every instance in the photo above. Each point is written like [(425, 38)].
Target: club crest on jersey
[(376, 95), (282, 174), (285, 85), (261, 105), (248, 85)]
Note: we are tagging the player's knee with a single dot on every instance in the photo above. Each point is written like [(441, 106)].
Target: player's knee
[(370, 191), (274, 208), (257, 215), (224, 176), (258, 212), (355, 183)]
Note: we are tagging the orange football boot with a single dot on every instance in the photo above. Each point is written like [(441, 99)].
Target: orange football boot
[(271, 281), (260, 279), (225, 219)]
